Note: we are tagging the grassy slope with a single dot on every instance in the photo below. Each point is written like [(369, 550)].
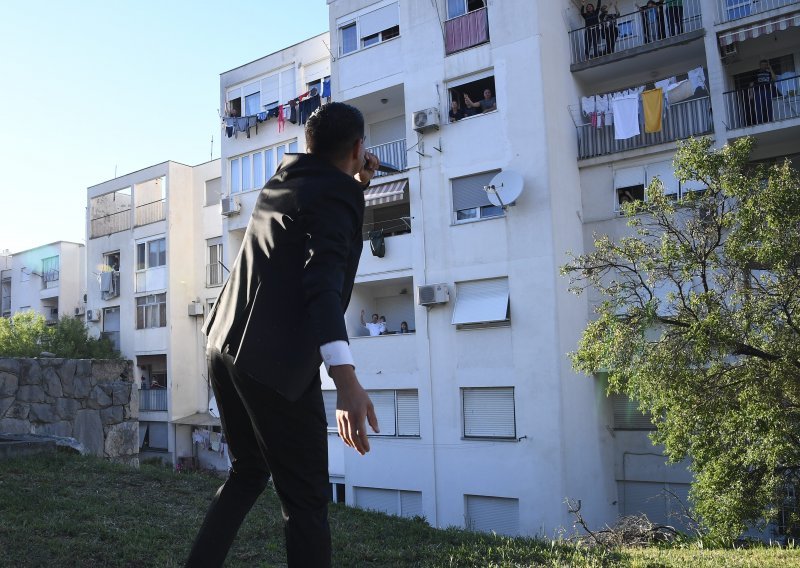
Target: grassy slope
[(68, 511)]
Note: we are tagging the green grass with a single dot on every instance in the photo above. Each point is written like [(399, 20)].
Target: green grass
[(63, 510)]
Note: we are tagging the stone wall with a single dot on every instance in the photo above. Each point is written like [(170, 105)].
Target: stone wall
[(91, 401)]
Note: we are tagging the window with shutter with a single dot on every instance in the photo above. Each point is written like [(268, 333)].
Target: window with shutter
[(488, 412), (389, 501), (492, 514), (629, 185), (665, 172), (383, 401), (470, 201), (329, 399), (407, 413), (481, 302), (627, 415)]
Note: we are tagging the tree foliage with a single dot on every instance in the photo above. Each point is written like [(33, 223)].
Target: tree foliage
[(26, 334), (698, 318)]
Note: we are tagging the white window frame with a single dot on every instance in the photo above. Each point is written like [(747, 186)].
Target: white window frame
[(235, 173), (51, 267), (146, 245), (466, 11), (240, 91), (214, 247), (354, 20), (151, 304), (392, 407), (471, 418), (481, 212), (494, 291), (649, 172), (402, 500)]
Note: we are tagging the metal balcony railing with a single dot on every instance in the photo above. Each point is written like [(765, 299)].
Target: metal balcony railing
[(634, 29), (109, 224), (150, 212), (681, 120), (153, 399), (393, 153), (763, 103), (729, 10), (390, 228), (466, 31)]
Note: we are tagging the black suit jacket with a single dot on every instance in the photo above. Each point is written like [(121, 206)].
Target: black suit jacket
[(292, 279)]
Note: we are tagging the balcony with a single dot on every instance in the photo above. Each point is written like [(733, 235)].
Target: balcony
[(681, 120), (153, 399), (393, 153), (766, 104), (635, 33), (731, 10), (150, 212), (109, 284), (385, 353), (466, 31), (109, 224)]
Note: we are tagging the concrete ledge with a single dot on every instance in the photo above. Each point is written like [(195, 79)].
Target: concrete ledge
[(20, 446)]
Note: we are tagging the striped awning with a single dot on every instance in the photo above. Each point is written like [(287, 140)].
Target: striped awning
[(385, 192), (752, 31)]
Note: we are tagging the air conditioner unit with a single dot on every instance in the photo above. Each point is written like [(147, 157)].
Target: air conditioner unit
[(230, 206), (79, 311), (433, 294), (92, 315), (427, 119), (195, 309)]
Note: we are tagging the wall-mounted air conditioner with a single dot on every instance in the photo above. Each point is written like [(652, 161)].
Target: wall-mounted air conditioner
[(427, 119), (230, 205), (433, 294), (79, 311), (195, 309), (92, 315)]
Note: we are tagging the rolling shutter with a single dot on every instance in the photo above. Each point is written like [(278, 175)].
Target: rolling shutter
[(383, 500), (628, 177), (492, 514), (627, 415), (410, 504), (407, 413), (383, 401), (666, 173), (270, 90), (468, 191), (379, 20), (481, 301), (329, 399), (489, 412)]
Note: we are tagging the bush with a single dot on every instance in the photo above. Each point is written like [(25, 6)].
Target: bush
[(26, 334)]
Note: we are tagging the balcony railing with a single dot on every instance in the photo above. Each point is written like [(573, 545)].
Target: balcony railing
[(681, 120), (153, 399), (393, 153), (765, 103), (729, 10), (150, 212), (634, 29), (466, 31), (390, 228), (112, 223), (214, 274)]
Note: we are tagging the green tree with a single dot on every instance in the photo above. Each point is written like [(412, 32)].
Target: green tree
[(26, 334), (698, 318)]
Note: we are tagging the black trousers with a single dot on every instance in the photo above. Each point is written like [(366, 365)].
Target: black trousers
[(269, 435)]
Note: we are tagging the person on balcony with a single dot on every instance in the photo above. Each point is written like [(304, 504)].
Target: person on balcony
[(763, 90), (674, 10), (486, 104), (404, 327), (591, 20), (456, 112), (608, 27), (376, 326), (652, 20)]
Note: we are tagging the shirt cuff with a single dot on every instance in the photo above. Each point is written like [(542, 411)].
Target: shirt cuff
[(336, 353)]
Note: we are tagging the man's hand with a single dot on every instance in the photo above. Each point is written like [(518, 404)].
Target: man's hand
[(368, 169), (352, 407)]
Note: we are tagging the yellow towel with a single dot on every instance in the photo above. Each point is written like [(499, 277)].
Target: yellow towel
[(653, 103)]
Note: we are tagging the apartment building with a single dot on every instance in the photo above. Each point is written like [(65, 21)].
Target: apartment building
[(483, 422), (49, 279), (153, 264)]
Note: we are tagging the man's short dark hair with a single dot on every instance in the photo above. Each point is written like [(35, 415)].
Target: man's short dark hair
[(333, 129)]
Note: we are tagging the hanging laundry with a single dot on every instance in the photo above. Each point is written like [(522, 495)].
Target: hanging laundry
[(697, 77), (274, 112), (262, 116), (306, 107), (664, 84), (230, 126), (653, 103), (679, 91), (602, 103), (588, 105), (281, 119), (293, 111), (626, 116), (326, 87), (215, 440)]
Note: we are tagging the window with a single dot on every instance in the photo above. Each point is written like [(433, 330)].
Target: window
[(492, 514), (473, 98), (264, 93), (389, 501), (252, 104), (111, 326), (50, 272), (214, 275), (5, 307), (489, 412), (369, 29), (397, 412), (627, 415), (317, 84), (470, 200), (153, 435), (213, 191), (457, 8), (250, 171), (109, 276), (151, 254), (629, 185), (482, 303), (151, 311)]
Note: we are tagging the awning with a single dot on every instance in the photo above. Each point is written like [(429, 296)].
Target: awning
[(385, 192), (198, 419), (752, 31)]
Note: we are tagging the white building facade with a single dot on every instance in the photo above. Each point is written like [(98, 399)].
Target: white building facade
[(153, 264)]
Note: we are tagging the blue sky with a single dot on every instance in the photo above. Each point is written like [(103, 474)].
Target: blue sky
[(92, 87)]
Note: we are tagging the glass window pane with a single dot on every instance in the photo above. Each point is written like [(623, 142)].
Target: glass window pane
[(293, 147), (162, 314), (258, 170), (140, 257), (246, 178), (455, 8), (467, 214), (349, 38), (491, 211), (139, 316), (269, 163), (281, 152), (152, 254), (252, 104), (162, 252), (235, 174)]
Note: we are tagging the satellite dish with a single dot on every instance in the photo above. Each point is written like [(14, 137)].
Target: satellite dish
[(213, 409), (504, 189)]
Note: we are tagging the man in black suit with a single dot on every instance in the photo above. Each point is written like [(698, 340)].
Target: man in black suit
[(279, 315)]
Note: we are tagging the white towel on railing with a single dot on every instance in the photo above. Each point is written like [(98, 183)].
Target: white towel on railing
[(698, 78), (664, 84), (626, 116), (588, 105)]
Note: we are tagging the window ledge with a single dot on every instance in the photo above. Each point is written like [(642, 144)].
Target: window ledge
[(468, 221), (479, 115), (488, 439)]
